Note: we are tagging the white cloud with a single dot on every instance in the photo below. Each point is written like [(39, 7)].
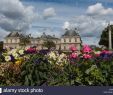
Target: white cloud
[(87, 26), (15, 16), (92, 24), (3, 33), (66, 25), (49, 12), (99, 9), (69, 25)]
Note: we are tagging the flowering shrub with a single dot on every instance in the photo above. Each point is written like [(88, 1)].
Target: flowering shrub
[(57, 59), (31, 50), (13, 55), (45, 67)]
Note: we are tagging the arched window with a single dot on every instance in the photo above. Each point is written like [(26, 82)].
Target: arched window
[(75, 39), (64, 47), (9, 40), (69, 39), (18, 40), (13, 41), (64, 40)]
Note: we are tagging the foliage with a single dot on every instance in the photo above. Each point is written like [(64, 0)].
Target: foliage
[(34, 71), (104, 36), (50, 68), (9, 74), (49, 44), (1, 46), (24, 40)]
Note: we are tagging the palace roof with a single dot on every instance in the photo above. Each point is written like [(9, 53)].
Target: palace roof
[(71, 32), (14, 34), (44, 36)]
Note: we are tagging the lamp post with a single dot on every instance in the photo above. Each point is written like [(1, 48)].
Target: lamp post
[(110, 38)]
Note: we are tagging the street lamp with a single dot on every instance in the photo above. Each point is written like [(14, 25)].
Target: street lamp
[(110, 38)]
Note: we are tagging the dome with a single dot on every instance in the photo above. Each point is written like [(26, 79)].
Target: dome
[(71, 32)]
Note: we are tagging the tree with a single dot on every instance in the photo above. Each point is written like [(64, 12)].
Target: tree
[(49, 44), (1, 45), (104, 40), (24, 40)]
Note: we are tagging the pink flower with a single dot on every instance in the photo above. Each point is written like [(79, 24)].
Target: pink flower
[(106, 52), (74, 55), (86, 49), (97, 55), (73, 48), (31, 50), (87, 56)]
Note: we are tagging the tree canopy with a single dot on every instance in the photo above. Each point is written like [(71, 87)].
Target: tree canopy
[(24, 40), (104, 40), (1, 45), (49, 44)]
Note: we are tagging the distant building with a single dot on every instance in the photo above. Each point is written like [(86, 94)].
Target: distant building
[(70, 37)]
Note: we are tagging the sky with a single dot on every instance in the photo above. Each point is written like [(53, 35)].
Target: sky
[(34, 17)]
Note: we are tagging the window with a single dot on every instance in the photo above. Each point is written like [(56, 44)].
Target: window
[(64, 40), (64, 47), (13, 40), (18, 40), (69, 39), (75, 39), (36, 41), (9, 40)]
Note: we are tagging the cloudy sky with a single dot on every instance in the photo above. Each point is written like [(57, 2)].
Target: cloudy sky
[(53, 16)]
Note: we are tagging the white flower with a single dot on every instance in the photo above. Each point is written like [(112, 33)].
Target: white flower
[(15, 55), (9, 52), (26, 48), (62, 55), (97, 52), (52, 55), (7, 58), (13, 51), (21, 52)]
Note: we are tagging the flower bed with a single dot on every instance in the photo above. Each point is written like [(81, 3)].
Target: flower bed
[(36, 68)]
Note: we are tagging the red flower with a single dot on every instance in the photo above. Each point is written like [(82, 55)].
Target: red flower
[(31, 50), (73, 48), (74, 55), (86, 49), (87, 56)]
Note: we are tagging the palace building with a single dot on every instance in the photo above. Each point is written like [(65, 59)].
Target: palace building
[(63, 43)]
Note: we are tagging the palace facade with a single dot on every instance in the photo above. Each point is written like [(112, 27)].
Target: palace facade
[(63, 43)]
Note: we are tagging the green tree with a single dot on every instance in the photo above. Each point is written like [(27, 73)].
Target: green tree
[(49, 44), (24, 40), (1, 46), (104, 40)]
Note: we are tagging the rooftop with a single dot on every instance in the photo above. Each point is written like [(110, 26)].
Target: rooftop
[(14, 34), (71, 32), (48, 36), (68, 33)]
